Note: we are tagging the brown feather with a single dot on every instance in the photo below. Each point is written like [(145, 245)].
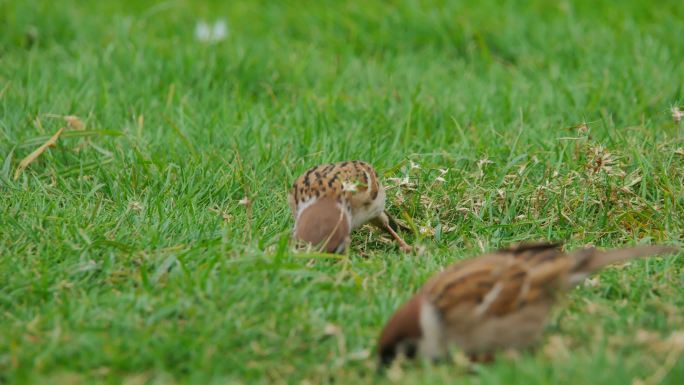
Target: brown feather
[(323, 224), (404, 325)]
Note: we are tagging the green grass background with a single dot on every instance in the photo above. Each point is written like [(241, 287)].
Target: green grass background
[(126, 256)]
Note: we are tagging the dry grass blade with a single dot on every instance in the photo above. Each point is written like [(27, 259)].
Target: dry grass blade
[(74, 122), (35, 154)]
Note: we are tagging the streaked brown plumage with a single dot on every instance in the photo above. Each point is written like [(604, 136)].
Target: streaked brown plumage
[(497, 301), (330, 200)]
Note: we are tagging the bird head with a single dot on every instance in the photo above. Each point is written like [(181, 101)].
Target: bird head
[(402, 333)]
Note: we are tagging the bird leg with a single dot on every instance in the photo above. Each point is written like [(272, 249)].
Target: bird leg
[(383, 222)]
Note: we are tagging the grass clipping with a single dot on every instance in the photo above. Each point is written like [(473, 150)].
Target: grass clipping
[(35, 154)]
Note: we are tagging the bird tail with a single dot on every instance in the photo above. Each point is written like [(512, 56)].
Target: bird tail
[(589, 260)]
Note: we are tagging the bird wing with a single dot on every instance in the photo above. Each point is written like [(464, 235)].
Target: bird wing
[(500, 283)]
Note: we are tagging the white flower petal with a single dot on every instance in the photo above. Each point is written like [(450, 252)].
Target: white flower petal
[(220, 30), (202, 31)]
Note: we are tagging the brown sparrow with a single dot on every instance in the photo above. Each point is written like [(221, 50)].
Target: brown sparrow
[(497, 301), (331, 200)]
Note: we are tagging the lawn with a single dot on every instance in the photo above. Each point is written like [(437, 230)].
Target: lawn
[(150, 244)]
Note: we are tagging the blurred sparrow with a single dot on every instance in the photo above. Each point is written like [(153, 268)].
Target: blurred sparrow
[(331, 200), (497, 301)]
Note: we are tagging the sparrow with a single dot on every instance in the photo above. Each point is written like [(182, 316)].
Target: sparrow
[(330, 200), (497, 301)]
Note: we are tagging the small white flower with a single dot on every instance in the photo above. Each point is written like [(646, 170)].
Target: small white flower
[(220, 30), (677, 114), (414, 166), (207, 33), (349, 186), (244, 201), (443, 171), (440, 179), (202, 31)]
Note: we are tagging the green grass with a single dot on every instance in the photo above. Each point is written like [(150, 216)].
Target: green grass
[(126, 256)]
